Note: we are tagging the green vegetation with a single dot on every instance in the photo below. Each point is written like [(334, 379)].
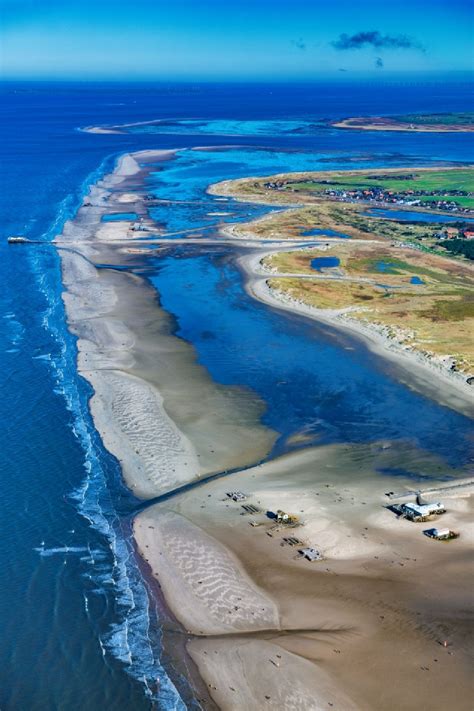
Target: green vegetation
[(452, 179), (464, 118), (436, 315), (442, 183), (456, 310), (459, 246)]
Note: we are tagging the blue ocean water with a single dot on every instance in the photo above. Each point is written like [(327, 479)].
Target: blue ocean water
[(78, 631)]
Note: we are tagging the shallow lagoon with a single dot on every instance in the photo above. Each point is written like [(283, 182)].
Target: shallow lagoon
[(311, 378), (319, 263), (118, 216)]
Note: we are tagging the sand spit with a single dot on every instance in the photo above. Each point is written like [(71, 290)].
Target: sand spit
[(99, 129), (157, 410), (378, 123), (360, 629)]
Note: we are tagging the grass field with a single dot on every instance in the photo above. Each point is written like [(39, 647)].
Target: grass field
[(312, 209), (430, 181), (436, 316)]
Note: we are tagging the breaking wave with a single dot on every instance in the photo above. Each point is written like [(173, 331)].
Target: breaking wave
[(109, 568)]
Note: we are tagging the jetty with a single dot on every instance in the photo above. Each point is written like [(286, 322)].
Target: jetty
[(17, 239)]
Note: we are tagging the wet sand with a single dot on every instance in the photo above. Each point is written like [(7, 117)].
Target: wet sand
[(361, 628), (157, 410)]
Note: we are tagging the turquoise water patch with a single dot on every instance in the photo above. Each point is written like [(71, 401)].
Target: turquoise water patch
[(324, 263), (186, 179), (416, 280), (227, 127), (118, 216)]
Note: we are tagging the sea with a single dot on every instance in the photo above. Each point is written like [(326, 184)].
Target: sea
[(78, 630)]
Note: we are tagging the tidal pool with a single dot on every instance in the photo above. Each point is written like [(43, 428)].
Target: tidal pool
[(319, 263)]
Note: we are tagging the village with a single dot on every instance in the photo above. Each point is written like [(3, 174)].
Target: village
[(379, 194)]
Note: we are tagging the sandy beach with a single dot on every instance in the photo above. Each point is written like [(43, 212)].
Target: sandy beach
[(157, 410), (383, 598), (362, 628)]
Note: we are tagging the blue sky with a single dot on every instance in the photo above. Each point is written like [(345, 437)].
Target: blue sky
[(237, 39)]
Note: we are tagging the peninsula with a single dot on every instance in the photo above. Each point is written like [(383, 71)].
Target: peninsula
[(381, 272)]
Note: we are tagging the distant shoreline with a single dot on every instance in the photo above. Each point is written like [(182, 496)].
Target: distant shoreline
[(379, 123)]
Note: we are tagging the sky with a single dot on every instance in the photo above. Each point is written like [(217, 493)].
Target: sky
[(214, 40)]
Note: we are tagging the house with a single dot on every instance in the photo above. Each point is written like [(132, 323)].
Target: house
[(421, 512), (285, 518), (451, 233), (236, 495), (468, 234), (441, 534)]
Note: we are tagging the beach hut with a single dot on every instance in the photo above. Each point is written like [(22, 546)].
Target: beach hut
[(441, 534), (310, 554), (421, 512), (286, 518), (236, 495)]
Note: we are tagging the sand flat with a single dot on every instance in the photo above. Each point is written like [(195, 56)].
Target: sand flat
[(361, 628), (154, 455), (382, 599), (256, 674), (204, 584), (158, 411)]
